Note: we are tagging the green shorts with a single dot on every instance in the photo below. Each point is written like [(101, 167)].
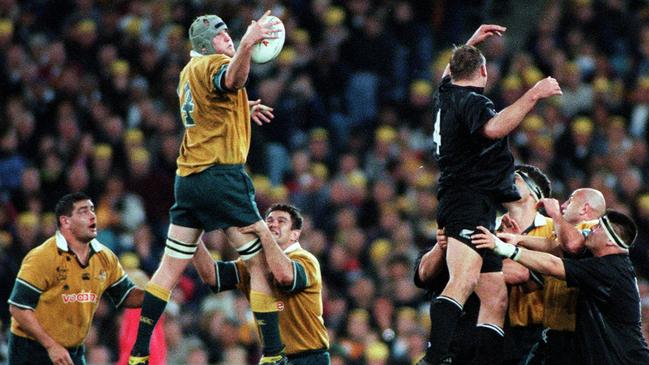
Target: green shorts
[(317, 357), (219, 197)]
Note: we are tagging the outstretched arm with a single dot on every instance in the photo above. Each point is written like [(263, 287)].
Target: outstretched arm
[(509, 118), (542, 262), (481, 34)]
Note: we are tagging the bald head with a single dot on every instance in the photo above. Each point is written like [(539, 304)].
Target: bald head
[(584, 205), (595, 200)]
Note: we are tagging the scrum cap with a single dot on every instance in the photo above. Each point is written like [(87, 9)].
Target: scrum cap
[(203, 30)]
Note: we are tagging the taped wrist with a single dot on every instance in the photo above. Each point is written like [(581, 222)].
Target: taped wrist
[(507, 250)]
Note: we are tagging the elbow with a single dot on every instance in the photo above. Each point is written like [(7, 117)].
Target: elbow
[(574, 246), (284, 278), (491, 131)]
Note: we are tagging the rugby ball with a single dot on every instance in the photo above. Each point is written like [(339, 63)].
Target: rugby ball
[(268, 49)]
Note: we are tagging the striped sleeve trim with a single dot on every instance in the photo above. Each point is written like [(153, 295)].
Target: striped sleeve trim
[(124, 297), (119, 281), (30, 286), (23, 306)]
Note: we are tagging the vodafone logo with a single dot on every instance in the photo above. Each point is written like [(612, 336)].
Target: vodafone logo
[(280, 306), (80, 298)]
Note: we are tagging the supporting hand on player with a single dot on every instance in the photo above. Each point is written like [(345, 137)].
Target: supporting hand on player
[(485, 31), (486, 239), (260, 113)]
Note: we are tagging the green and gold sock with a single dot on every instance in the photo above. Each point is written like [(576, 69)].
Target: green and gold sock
[(265, 310), (153, 305)]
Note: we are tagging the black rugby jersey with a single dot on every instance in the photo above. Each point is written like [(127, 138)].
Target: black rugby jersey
[(468, 160), (608, 311)]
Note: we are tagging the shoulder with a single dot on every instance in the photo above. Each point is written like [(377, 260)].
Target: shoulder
[(305, 257), (42, 253), (105, 253), (213, 60)]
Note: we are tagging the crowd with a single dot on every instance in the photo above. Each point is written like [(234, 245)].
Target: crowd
[(89, 103)]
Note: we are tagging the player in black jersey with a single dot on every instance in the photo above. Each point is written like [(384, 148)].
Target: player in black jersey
[(477, 174), (608, 326)]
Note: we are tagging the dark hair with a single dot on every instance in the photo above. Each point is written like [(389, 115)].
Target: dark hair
[(293, 211), (623, 225), (65, 205), (465, 61), (540, 179)]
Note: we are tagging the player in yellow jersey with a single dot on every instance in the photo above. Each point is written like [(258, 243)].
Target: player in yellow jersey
[(59, 287), (525, 307), (298, 279), (572, 222), (212, 191)]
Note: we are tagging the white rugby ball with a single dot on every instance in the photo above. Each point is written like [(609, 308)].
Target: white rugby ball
[(268, 49)]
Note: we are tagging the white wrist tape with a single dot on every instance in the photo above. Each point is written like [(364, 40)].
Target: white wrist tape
[(507, 249)]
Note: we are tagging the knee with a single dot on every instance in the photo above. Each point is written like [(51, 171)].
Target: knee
[(464, 282), (496, 300)]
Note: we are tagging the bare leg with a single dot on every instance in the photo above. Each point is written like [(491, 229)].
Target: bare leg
[(493, 306), (464, 265)]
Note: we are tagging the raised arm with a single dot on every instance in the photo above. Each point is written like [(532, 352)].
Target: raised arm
[(280, 265), (481, 34), (570, 238), (238, 69), (509, 118)]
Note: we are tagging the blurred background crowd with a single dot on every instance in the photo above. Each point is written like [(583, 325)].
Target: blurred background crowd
[(88, 103)]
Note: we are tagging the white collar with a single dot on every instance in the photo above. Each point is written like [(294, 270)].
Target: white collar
[(294, 247), (193, 54), (540, 220), (62, 243)]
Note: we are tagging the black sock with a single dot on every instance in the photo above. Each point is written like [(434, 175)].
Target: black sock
[(152, 309), (491, 341), (444, 314)]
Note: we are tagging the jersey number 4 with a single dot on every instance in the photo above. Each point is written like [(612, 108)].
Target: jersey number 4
[(437, 138), (187, 106)]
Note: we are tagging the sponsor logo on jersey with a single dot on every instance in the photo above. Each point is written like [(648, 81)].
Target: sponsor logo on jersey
[(280, 306), (79, 298)]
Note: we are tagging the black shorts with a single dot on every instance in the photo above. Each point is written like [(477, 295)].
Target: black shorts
[(219, 197), (23, 351), (460, 213)]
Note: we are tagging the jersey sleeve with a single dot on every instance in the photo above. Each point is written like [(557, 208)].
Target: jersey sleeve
[(589, 275), (306, 272), (217, 67), (36, 275), (120, 284), (478, 110)]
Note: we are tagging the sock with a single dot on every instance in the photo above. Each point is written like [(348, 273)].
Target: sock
[(444, 314), (491, 342), (264, 307), (155, 301)]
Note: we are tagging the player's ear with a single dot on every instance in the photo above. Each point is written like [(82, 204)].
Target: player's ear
[(483, 70), (295, 235)]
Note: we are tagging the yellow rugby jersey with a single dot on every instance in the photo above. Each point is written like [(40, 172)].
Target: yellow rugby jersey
[(526, 308), (217, 124), (300, 317), (63, 294), (559, 300)]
